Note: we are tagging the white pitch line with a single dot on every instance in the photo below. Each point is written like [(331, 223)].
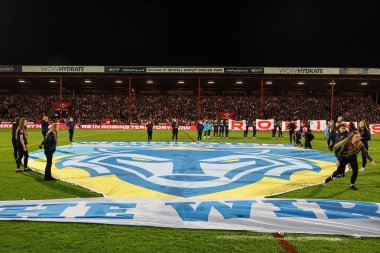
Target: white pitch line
[(267, 237)]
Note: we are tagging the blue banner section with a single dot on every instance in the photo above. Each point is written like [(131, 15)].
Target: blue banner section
[(316, 216)]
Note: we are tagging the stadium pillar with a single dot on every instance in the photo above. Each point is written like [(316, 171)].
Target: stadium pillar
[(60, 96), (261, 97), (199, 98), (332, 99), (129, 99)]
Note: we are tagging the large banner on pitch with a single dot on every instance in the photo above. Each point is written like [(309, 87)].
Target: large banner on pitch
[(172, 170), (315, 216)]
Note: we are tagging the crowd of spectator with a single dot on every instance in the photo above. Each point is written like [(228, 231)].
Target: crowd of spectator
[(98, 109)]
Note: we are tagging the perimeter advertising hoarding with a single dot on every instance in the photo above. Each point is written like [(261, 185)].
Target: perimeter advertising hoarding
[(301, 71), (63, 69)]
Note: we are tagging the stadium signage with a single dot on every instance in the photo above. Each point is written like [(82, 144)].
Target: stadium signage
[(125, 69), (315, 216), (359, 71), (185, 70), (10, 69), (302, 71), (244, 70), (64, 69)]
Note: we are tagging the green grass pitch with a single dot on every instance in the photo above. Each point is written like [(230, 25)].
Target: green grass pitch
[(16, 236)]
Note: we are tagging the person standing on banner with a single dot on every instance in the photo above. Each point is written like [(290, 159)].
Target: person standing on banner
[(292, 128), (348, 150), (50, 144), (328, 134), (22, 142), (200, 128), (221, 128), (279, 126), (205, 123), (254, 129), (334, 133), (365, 137), (14, 137), (44, 128), (149, 129), (175, 130), (216, 128), (71, 125), (274, 130)]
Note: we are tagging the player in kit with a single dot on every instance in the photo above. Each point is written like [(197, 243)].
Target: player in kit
[(348, 150)]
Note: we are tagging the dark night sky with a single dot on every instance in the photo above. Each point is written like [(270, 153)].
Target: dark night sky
[(174, 33)]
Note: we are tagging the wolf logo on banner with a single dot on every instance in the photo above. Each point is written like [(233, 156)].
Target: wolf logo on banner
[(186, 170)]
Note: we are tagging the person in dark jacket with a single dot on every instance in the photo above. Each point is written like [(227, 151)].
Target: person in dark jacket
[(216, 129), (341, 135), (292, 127), (221, 128), (254, 129), (245, 132), (348, 150), (50, 144), (365, 134), (14, 139), (175, 130), (22, 144), (297, 140), (149, 129), (226, 127), (44, 129), (279, 126), (200, 128), (308, 137), (71, 125), (274, 130)]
